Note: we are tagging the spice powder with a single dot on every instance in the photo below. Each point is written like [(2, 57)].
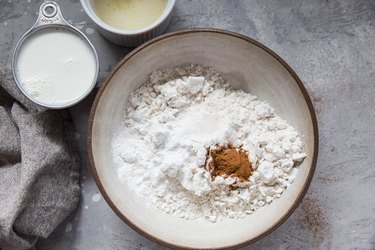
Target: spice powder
[(229, 161)]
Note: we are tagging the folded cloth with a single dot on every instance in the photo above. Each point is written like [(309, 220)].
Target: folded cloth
[(39, 168)]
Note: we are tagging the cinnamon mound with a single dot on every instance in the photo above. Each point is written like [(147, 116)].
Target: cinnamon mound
[(229, 162)]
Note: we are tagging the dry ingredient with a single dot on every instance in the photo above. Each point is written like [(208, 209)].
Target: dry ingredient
[(228, 161), (173, 119), (313, 219)]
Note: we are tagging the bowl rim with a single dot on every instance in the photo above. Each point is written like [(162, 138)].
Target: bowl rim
[(183, 32), (89, 9)]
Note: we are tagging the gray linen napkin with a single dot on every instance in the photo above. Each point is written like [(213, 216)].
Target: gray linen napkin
[(39, 168)]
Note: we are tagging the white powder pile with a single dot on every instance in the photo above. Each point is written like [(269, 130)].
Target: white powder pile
[(170, 123)]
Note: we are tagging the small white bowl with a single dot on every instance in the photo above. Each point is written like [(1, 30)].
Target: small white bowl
[(130, 38)]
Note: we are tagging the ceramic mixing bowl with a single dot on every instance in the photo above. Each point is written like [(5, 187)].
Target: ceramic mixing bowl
[(248, 65)]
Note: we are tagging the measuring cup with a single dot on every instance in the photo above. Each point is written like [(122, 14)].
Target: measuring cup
[(50, 17)]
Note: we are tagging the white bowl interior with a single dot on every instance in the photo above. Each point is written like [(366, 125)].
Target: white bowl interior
[(248, 67)]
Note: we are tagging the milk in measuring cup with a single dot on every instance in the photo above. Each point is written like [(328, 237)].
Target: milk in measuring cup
[(55, 66)]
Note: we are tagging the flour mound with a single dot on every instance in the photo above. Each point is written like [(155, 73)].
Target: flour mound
[(170, 123)]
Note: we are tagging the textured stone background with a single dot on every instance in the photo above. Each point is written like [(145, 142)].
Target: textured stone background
[(331, 46)]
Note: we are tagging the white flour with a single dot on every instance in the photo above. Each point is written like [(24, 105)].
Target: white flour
[(170, 123)]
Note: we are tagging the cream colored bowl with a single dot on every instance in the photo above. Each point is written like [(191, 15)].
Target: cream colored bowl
[(130, 38), (247, 64)]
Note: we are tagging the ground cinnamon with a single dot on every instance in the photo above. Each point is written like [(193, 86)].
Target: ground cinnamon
[(229, 162)]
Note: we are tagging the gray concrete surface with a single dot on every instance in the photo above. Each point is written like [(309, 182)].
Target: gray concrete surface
[(331, 46)]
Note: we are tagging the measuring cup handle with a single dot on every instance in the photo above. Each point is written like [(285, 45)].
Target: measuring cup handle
[(49, 13)]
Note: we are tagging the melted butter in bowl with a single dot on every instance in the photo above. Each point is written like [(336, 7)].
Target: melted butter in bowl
[(129, 14)]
